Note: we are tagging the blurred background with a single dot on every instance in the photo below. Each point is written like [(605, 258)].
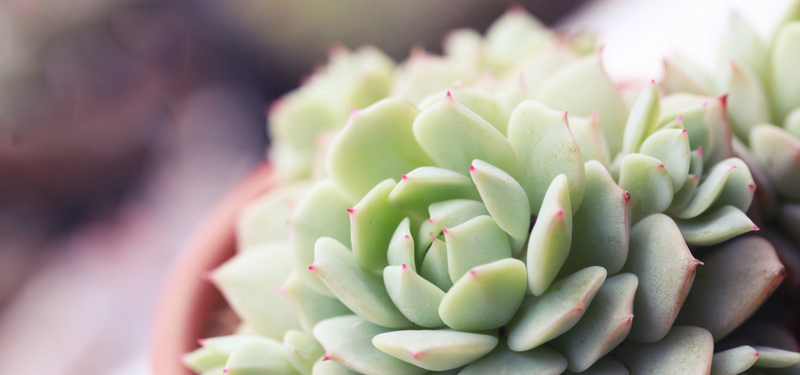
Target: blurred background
[(123, 121)]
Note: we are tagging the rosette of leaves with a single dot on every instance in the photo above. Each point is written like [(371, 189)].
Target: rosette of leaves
[(445, 240)]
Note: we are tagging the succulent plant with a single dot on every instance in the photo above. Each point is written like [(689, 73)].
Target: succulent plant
[(478, 231)]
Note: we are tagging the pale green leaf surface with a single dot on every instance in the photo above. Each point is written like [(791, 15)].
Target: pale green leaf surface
[(708, 191), (671, 147), (505, 200), (605, 366), (483, 103), (309, 306), (778, 151), (775, 358), (685, 351), (550, 239), (401, 247), (476, 242), (435, 350), (642, 119), (590, 139), (434, 266), (259, 358), (649, 184), (426, 185), (503, 361), (372, 222), (204, 359), (786, 76), (715, 227), (418, 299), (733, 361), (302, 350), (451, 213)]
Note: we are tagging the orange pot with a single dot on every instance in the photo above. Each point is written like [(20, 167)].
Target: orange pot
[(188, 300)]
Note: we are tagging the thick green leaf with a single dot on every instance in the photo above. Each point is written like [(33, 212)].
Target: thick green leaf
[(671, 147), (486, 297), (715, 227), (539, 361), (777, 151), (543, 318), (264, 220), (309, 306), (401, 247), (739, 189), (226, 345), (659, 257), (642, 120), (302, 350), (549, 243), (203, 359), (327, 367), (348, 341), (709, 190), (418, 299), (748, 103), (684, 75), (602, 222), (435, 350), (775, 358), (259, 358), (742, 42), (786, 77), (454, 136), (483, 103), (424, 74), (590, 139), (321, 213), (605, 324), (649, 184), (428, 233), (426, 185), (605, 366), (451, 213), (379, 140), (692, 109), (247, 280), (505, 200), (685, 351), (434, 266), (476, 242), (733, 361), (361, 291), (372, 222), (682, 197), (719, 300), (545, 149)]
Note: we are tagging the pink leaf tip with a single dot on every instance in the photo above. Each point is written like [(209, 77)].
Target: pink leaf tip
[(449, 95), (472, 168), (684, 131), (700, 150), (661, 166), (756, 355), (326, 358), (416, 355), (755, 228), (404, 177), (311, 267), (652, 82), (201, 342), (408, 236), (445, 231), (351, 210), (473, 273), (733, 167), (560, 213), (405, 266), (752, 186), (626, 195), (224, 371)]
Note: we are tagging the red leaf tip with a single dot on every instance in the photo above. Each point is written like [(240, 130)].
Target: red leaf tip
[(700, 150), (404, 177), (752, 186), (445, 231), (416, 355), (473, 273), (311, 267), (626, 195), (449, 95), (201, 342), (326, 358), (560, 213), (661, 166), (351, 210), (755, 228), (408, 236), (472, 168), (684, 131), (757, 355), (405, 266)]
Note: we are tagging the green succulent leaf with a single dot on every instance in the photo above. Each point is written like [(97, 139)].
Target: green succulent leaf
[(360, 290), (709, 190), (247, 280), (649, 184), (476, 242), (483, 103), (348, 341), (719, 301), (264, 220), (309, 306), (505, 200), (451, 213), (778, 151), (545, 149), (302, 350), (748, 103), (671, 147), (659, 257), (683, 196), (684, 350), (792, 123), (543, 318), (426, 185), (435, 350), (733, 361), (605, 366), (742, 42), (605, 324), (327, 367), (786, 78), (434, 267), (775, 358), (259, 358), (539, 361), (550, 239), (583, 88), (590, 139), (692, 109), (401, 247), (739, 189), (225, 345), (201, 360), (372, 222), (716, 118), (454, 136), (486, 297), (696, 164), (681, 74), (424, 74), (715, 227), (418, 299), (603, 222), (321, 213), (427, 236), (642, 120), (379, 140)]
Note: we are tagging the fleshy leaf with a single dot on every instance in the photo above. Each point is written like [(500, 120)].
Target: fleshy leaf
[(361, 291), (605, 366), (455, 212), (671, 147), (454, 136), (327, 367), (424, 74), (435, 350), (418, 299), (539, 361), (683, 75), (401, 247), (543, 318), (434, 266), (714, 227), (748, 103), (649, 184), (226, 345), (379, 140), (486, 297), (505, 200), (786, 78), (683, 196), (685, 350), (696, 164), (478, 241), (201, 360), (659, 257), (733, 361), (427, 235), (321, 213), (739, 189), (642, 120), (247, 280), (372, 222), (259, 357), (545, 149), (693, 111), (603, 222), (348, 341), (742, 42), (549, 243), (775, 358), (583, 88), (719, 301), (779, 153), (426, 185), (309, 306), (605, 324), (715, 117), (264, 220), (792, 122), (302, 350), (709, 190), (484, 103), (590, 139)]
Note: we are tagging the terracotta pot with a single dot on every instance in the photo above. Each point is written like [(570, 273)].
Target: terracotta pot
[(188, 301)]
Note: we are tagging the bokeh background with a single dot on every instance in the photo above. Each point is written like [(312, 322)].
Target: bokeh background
[(122, 121)]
